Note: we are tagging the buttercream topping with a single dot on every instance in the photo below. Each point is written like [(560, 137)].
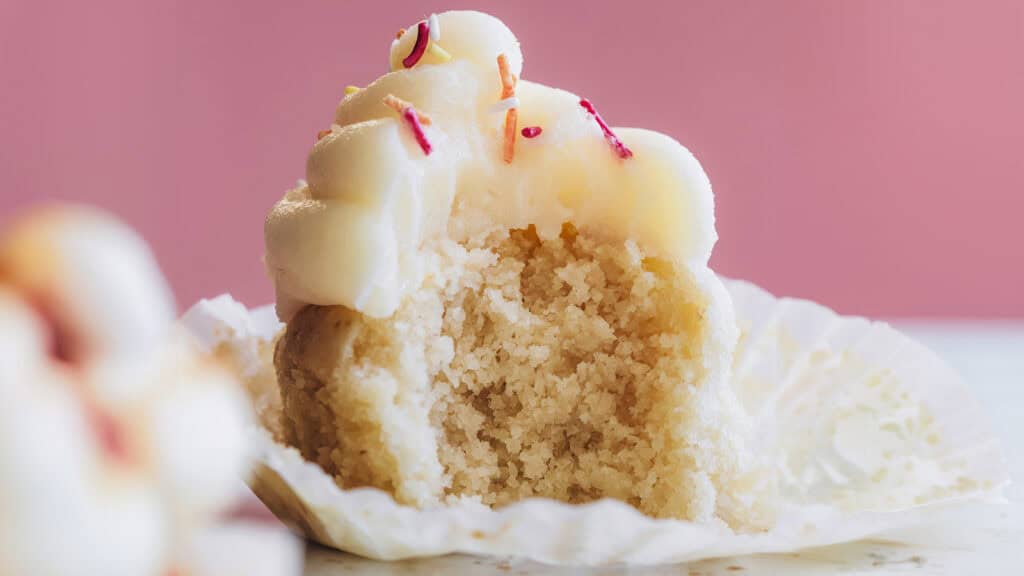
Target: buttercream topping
[(354, 235)]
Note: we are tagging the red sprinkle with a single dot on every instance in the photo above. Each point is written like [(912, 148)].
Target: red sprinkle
[(610, 136), (417, 129), (420, 47), (414, 119), (531, 131)]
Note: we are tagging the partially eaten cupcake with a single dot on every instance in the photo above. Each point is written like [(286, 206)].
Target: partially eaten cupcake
[(490, 294)]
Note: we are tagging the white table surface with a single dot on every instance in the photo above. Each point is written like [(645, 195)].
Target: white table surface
[(984, 540)]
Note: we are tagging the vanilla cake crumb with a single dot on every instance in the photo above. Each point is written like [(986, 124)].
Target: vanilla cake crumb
[(561, 367)]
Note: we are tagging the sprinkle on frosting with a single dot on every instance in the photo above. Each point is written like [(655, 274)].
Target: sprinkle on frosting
[(610, 136), (320, 135), (508, 92), (506, 104), (399, 105), (508, 79), (435, 28), (440, 53), (350, 90), (531, 131), (428, 33), (400, 33), (420, 47), (414, 119)]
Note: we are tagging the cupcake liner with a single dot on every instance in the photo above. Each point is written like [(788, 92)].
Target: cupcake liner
[(854, 414), (867, 430)]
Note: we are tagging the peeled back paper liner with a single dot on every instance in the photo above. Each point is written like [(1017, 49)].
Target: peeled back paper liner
[(866, 430)]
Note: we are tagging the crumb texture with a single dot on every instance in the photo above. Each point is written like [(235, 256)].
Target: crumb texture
[(563, 367)]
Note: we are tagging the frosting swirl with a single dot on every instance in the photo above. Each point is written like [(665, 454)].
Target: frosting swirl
[(353, 235)]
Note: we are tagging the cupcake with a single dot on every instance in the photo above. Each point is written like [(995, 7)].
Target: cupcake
[(119, 444), (496, 333), (492, 295)]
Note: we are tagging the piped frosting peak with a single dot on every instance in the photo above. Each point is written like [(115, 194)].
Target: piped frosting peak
[(433, 149)]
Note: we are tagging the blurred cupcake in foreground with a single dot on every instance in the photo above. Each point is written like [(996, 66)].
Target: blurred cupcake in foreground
[(118, 443)]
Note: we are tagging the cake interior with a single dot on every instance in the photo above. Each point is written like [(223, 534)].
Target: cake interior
[(560, 367)]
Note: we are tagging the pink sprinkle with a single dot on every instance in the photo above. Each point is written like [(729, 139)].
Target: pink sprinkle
[(610, 136), (420, 47), (532, 131), (410, 116), (109, 434)]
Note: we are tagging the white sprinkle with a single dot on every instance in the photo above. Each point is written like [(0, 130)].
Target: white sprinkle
[(394, 43), (506, 104), (435, 28), (300, 183)]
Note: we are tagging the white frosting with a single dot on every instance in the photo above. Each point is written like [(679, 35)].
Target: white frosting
[(353, 235)]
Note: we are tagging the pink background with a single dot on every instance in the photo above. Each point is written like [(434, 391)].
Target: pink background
[(866, 154)]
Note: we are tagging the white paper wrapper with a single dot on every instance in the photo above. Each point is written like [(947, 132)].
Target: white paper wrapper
[(868, 431)]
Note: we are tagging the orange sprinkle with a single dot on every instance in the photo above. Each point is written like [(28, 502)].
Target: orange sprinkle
[(396, 103), (320, 135), (508, 149), (508, 90), (401, 32), (508, 79), (400, 106)]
